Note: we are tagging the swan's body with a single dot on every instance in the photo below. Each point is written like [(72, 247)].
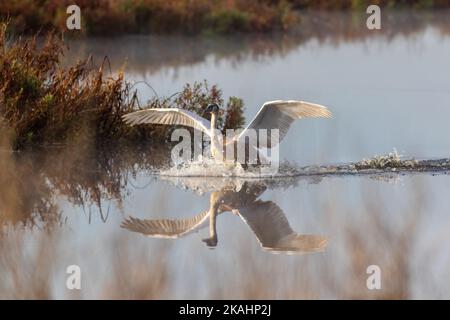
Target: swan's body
[(277, 114)]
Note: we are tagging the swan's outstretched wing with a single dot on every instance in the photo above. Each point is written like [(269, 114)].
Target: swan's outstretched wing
[(165, 228), (270, 226), (280, 114), (168, 116)]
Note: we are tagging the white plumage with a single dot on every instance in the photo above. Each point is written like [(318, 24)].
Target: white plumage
[(168, 116), (166, 228), (278, 114), (281, 114)]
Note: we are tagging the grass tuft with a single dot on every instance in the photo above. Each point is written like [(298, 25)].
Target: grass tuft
[(392, 160)]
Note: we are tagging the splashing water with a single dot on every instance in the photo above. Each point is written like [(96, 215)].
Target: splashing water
[(208, 167), (391, 163)]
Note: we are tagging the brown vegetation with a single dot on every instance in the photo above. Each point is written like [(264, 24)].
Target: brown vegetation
[(42, 103), (109, 17), (144, 16)]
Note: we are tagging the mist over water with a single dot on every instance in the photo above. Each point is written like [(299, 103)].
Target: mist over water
[(386, 89)]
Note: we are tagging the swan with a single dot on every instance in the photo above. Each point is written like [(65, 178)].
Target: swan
[(278, 114), (266, 220)]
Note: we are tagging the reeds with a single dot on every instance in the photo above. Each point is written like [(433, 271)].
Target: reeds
[(195, 97), (71, 118), (392, 160), (43, 103)]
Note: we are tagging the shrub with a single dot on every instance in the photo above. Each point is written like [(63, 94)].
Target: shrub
[(43, 103)]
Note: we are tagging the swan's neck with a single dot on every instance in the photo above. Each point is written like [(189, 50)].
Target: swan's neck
[(213, 123), (215, 145), (213, 212)]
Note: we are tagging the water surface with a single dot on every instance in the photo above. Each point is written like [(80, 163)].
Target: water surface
[(387, 89)]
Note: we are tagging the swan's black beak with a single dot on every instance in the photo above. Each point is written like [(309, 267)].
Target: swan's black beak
[(207, 110), (211, 108)]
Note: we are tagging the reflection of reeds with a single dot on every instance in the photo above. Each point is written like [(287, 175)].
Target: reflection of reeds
[(33, 264), (84, 176), (26, 269), (136, 274), (81, 173), (155, 53), (25, 197), (141, 269)]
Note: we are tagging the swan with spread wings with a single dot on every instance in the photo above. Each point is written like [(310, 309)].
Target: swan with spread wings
[(279, 114), (266, 220)]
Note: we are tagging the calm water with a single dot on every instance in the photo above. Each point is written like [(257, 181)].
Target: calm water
[(387, 89)]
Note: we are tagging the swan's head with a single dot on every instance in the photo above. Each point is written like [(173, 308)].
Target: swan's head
[(212, 108)]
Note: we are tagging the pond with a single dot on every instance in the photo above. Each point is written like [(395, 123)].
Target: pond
[(293, 237)]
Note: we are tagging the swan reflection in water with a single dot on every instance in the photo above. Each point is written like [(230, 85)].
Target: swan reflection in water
[(265, 218)]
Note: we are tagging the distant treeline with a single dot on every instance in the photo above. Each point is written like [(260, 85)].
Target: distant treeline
[(108, 17), (358, 4)]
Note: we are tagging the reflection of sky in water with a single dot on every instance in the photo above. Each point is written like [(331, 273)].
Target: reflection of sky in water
[(383, 95)]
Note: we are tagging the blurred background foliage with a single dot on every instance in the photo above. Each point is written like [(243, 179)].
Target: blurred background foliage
[(110, 17)]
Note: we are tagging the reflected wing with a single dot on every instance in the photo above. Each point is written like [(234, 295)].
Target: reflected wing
[(280, 114), (165, 228), (251, 190), (270, 226), (168, 116)]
